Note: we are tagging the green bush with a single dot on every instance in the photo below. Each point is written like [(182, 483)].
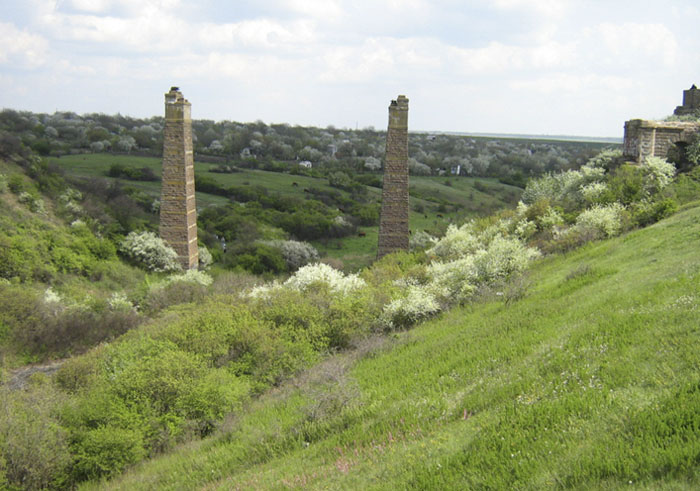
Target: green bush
[(258, 258), (105, 451), (17, 183), (33, 446), (647, 212), (162, 296), (41, 326)]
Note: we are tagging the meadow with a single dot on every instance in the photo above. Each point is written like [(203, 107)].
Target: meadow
[(435, 201)]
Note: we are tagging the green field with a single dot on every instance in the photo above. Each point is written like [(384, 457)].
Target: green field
[(439, 200), (582, 374)]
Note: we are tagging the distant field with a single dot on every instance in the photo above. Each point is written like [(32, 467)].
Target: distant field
[(434, 201)]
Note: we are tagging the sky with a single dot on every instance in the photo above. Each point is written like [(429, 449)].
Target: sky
[(545, 67)]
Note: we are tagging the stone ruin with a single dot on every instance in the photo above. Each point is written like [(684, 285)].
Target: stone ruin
[(178, 213), (644, 138), (691, 102), (393, 221)]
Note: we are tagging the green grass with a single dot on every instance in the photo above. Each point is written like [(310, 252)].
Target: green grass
[(98, 164), (590, 380), (463, 198)]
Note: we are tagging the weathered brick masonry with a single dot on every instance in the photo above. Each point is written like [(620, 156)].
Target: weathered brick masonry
[(655, 138), (644, 138), (178, 213), (393, 221)]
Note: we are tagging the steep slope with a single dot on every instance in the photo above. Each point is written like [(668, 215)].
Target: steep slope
[(583, 374)]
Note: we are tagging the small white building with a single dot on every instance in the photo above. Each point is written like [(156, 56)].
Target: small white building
[(306, 164)]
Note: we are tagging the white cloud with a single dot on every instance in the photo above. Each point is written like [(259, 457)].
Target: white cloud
[(548, 8), (634, 41), (573, 83), (21, 48), (319, 9), (91, 5), (260, 33)]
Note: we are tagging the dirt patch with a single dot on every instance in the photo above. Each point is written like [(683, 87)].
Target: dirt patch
[(19, 378)]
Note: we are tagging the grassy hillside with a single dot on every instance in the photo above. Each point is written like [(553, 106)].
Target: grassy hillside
[(583, 374)]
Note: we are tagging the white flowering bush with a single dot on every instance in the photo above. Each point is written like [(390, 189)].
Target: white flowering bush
[(524, 229), (322, 273), (544, 188), (452, 281), (658, 174), (503, 257), (604, 159), (456, 242), (119, 301), (373, 163), (417, 304), (313, 274), (296, 254), (601, 221), (593, 191), (189, 276), (34, 204), (69, 195), (51, 297), (567, 187), (466, 258), (205, 258), (420, 240), (550, 219), (150, 251)]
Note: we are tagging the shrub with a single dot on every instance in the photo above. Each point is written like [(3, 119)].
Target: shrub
[(420, 240), (33, 446), (503, 257), (452, 281), (296, 254), (456, 242), (258, 258), (658, 173), (150, 251), (105, 451), (311, 276), (626, 185), (405, 311), (35, 204), (205, 258), (17, 184), (601, 221), (3, 186), (336, 281), (692, 151), (190, 276), (647, 212), (605, 159), (167, 294)]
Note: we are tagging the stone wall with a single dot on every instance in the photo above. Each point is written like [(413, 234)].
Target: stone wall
[(393, 221), (654, 138), (178, 213)]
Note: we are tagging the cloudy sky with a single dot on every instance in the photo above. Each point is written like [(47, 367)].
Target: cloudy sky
[(578, 67)]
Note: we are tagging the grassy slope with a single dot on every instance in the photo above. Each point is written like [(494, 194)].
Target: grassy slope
[(592, 379), (355, 252)]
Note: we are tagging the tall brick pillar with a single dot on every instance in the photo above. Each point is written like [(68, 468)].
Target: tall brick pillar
[(393, 221), (178, 214)]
